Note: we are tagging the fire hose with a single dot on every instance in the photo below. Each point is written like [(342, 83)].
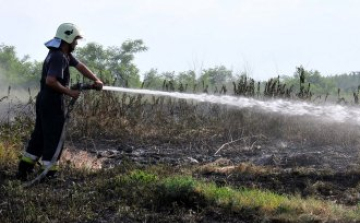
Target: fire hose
[(79, 87)]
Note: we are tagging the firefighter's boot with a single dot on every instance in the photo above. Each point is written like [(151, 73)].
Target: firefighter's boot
[(24, 170), (26, 166), (53, 172)]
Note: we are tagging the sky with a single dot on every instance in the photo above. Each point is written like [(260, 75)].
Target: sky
[(263, 38)]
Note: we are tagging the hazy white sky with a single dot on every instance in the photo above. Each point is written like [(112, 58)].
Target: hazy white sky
[(262, 37)]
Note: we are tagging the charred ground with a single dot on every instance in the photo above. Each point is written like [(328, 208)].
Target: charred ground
[(304, 157)]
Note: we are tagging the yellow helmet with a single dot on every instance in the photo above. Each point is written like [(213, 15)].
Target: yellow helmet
[(66, 32)]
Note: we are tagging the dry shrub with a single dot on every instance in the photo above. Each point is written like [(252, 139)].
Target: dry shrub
[(144, 119), (242, 168), (152, 119)]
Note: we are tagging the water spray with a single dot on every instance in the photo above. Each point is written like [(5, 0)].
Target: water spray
[(337, 113)]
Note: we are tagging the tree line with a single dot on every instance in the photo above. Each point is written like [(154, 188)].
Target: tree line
[(116, 66)]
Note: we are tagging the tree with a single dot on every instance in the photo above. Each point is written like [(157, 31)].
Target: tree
[(187, 78), (121, 62), (15, 71), (319, 84), (115, 64), (96, 58), (215, 76), (153, 80)]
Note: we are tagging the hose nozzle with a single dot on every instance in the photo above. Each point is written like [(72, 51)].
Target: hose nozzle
[(84, 86)]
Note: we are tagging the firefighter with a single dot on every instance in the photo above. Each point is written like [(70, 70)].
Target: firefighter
[(50, 113)]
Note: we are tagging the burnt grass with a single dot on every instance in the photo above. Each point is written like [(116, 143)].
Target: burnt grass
[(305, 168), (325, 172), (300, 156), (284, 168)]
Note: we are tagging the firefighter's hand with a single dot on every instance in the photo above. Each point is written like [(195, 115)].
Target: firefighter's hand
[(74, 94), (98, 84)]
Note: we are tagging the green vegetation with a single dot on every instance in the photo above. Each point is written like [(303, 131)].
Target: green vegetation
[(114, 65), (17, 71)]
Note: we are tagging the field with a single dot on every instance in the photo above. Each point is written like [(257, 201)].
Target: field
[(139, 158)]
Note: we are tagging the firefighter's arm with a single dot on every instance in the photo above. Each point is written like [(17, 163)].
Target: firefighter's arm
[(52, 82), (84, 70)]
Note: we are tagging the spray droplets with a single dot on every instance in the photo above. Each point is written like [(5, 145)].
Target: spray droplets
[(335, 113)]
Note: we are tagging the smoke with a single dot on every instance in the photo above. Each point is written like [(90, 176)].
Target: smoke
[(14, 99), (3, 82), (8, 86)]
